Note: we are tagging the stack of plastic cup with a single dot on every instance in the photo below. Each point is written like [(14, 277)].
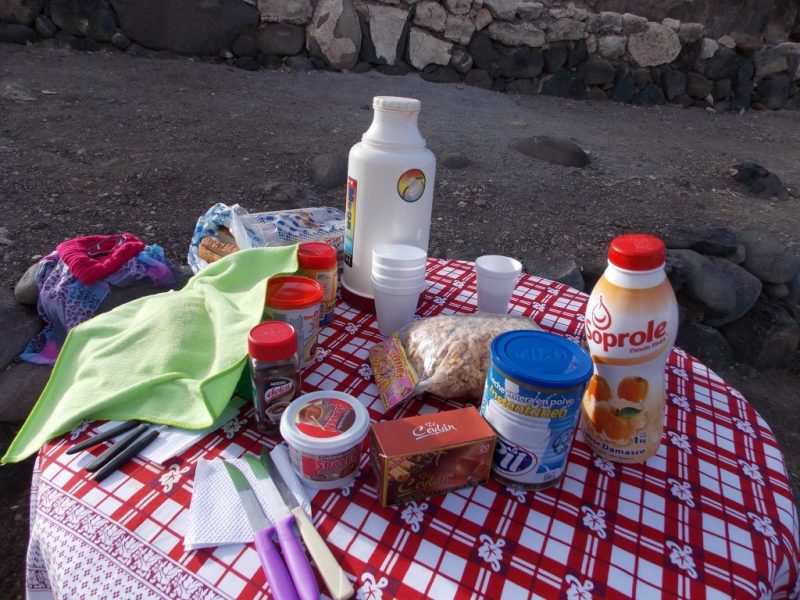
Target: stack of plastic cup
[(497, 278), (398, 278)]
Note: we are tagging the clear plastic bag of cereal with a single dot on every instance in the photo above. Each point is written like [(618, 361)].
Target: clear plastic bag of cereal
[(446, 356)]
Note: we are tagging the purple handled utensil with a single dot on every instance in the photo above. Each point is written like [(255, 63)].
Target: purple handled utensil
[(280, 582), (292, 547)]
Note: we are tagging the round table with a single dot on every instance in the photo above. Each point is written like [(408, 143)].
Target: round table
[(710, 515)]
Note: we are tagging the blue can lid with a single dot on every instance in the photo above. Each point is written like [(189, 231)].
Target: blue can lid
[(541, 359)]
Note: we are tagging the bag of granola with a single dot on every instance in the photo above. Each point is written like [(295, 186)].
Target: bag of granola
[(447, 356)]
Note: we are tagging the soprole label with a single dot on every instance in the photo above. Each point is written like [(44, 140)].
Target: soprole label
[(600, 321)]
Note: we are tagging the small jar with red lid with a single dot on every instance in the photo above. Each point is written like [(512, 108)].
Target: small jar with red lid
[(296, 300), (274, 371), (317, 261)]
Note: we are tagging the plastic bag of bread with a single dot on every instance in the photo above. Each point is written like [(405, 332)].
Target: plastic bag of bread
[(447, 356)]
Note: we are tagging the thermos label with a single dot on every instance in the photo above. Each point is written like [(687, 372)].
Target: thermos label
[(350, 220), (411, 185)]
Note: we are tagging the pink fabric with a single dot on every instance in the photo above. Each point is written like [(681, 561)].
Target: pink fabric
[(94, 257)]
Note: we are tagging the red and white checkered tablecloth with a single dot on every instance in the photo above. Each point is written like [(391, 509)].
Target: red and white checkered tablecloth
[(711, 515)]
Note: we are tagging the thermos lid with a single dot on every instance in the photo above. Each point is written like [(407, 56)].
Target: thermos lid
[(396, 103), (637, 252)]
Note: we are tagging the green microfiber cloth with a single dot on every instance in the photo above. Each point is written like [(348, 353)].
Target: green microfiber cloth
[(172, 358)]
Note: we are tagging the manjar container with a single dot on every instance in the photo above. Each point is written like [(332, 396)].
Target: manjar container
[(296, 300), (532, 399), (325, 432), (317, 261), (274, 371)]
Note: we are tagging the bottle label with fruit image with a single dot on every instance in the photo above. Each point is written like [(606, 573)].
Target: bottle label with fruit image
[(629, 333)]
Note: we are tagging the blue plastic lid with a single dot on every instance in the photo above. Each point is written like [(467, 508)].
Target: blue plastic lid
[(541, 359)]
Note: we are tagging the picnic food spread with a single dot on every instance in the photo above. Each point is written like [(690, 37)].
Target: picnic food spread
[(532, 386)]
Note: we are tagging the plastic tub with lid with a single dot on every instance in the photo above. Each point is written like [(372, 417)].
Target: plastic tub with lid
[(325, 432)]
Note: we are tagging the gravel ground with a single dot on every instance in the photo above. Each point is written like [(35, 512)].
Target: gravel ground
[(105, 142)]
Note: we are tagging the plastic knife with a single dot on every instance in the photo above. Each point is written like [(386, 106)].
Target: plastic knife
[(280, 582), (296, 559), (339, 586)]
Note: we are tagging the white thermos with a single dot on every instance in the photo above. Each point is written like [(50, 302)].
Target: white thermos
[(390, 177)]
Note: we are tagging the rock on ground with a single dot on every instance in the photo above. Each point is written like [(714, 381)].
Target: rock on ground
[(554, 150), (184, 26)]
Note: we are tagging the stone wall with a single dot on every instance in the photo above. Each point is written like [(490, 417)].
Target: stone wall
[(505, 45)]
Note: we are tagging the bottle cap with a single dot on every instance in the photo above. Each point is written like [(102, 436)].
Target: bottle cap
[(316, 256), (541, 359), (292, 292), (637, 252), (396, 103), (272, 340)]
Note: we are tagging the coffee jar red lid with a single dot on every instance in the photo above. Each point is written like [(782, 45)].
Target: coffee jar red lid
[(272, 340), (637, 252), (293, 292), (316, 256)]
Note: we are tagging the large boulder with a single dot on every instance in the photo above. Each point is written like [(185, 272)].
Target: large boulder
[(335, 33), (459, 29), (21, 12), (12, 33), (516, 34), (505, 10), (772, 18), (707, 344), (558, 151), (281, 39), (286, 11), (768, 258), (717, 241), (766, 337), (746, 286), (707, 285), (92, 19), (425, 49), (430, 15), (565, 29), (185, 26), (386, 27), (522, 63), (656, 45), (19, 324)]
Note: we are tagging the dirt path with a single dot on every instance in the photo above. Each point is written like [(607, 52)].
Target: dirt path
[(98, 143)]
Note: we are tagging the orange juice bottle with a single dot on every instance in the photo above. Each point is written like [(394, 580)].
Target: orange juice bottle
[(631, 324)]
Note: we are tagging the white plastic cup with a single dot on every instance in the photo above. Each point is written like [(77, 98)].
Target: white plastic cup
[(497, 277), (398, 272), (400, 284), (398, 255), (395, 306)]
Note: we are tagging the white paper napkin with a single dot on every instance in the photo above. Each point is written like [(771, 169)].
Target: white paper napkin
[(216, 514)]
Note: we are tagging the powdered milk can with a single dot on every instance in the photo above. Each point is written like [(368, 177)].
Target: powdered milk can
[(390, 178)]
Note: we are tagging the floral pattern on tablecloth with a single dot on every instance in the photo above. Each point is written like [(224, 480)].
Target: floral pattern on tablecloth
[(711, 514)]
